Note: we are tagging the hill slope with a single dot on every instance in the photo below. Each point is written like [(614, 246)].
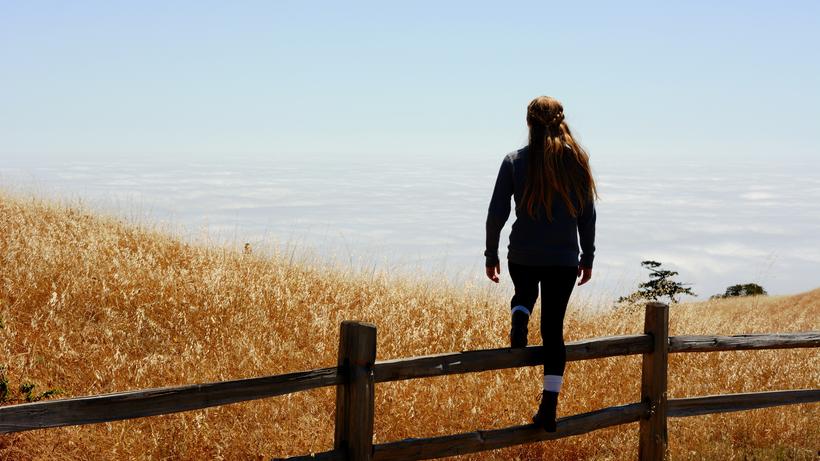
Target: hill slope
[(89, 305)]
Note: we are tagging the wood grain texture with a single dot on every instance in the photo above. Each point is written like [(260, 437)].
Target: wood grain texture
[(158, 401), (654, 438), (355, 398), (471, 442), (694, 406), (744, 342), (497, 359)]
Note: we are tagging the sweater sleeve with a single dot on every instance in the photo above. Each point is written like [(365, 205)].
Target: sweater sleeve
[(586, 232), (498, 211)]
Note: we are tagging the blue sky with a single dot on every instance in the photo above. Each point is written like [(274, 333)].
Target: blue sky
[(220, 80)]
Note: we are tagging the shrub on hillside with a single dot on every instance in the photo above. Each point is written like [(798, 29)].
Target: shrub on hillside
[(745, 289)]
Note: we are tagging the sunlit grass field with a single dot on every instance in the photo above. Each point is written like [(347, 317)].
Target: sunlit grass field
[(90, 304)]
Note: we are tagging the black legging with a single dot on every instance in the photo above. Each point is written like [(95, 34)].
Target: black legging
[(557, 283)]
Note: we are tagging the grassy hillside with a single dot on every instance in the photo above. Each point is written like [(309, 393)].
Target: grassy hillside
[(89, 305)]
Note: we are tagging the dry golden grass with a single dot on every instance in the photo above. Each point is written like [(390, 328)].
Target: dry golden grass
[(90, 305)]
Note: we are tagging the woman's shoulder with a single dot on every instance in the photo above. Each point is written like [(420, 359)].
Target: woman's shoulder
[(518, 154)]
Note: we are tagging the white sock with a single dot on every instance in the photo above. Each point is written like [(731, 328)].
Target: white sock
[(552, 383), (520, 308)]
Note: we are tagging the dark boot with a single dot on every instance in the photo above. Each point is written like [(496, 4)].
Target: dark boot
[(518, 332), (545, 417)]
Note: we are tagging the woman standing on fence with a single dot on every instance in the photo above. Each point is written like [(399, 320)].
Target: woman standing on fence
[(554, 192)]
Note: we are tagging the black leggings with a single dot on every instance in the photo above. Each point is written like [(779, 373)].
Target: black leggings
[(556, 287)]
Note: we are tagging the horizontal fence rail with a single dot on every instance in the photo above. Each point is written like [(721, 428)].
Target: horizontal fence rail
[(724, 403), (357, 372), (743, 342), (472, 442), (164, 400), (151, 402), (498, 359)]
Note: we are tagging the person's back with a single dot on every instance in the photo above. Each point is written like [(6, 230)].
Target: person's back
[(554, 192), (538, 240)]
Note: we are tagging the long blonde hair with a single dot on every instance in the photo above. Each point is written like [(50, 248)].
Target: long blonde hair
[(557, 163)]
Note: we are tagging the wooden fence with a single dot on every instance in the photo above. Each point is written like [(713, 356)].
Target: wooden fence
[(357, 373)]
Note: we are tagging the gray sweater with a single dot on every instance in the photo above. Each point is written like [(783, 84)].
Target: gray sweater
[(538, 241)]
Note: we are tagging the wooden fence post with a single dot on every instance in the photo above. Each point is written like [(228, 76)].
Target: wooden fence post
[(653, 437), (355, 398)]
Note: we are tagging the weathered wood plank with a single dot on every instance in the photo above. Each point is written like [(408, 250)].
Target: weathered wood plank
[(157, 401), (654, 438), (488, 440), (744, 342), (355, 399), (471, 442), (497, 359), (694, 406)]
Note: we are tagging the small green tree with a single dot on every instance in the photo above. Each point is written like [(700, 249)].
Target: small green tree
[(744, 289), (660, 285)]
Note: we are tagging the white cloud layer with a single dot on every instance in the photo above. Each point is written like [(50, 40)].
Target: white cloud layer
[(716, 224)]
